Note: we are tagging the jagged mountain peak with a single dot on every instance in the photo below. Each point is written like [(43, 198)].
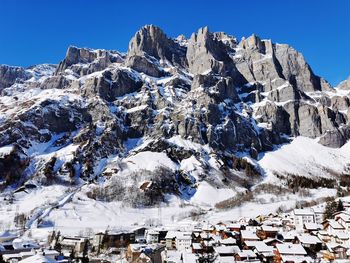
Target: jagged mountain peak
[(345, 85), (152, 41), (201, 102), (84, 61)]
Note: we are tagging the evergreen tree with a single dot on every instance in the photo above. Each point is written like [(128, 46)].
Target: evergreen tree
[(340, 206), (331, 208)]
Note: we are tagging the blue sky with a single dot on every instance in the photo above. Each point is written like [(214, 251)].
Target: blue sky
[(39, 31)]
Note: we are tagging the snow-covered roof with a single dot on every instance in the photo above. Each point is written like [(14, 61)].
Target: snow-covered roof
[(269, 228), (318, 209), (334, 224), (38, 259), (263, 248), (323, 233), (227, 249), (289, 235), (247, 253), (20, 243), (259, 246), (170, 234), (220, 227), (152, 232), (252, 243), (227, 259), (303, 212), (196, 246), (208, 228), (291, 249), (296, 259), (344, 217), (173, 256), (343, 235), (183, 235), (313, 226), (234, 225), (331, 246), (228, 241), (246, 234), (309, 239)]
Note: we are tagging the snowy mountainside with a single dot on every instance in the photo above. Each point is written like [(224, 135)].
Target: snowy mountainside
[(184, 122)]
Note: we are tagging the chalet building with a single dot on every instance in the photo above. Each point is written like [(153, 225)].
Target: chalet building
[(246, 256), (144, 253), (324, 236), (342, 238), (287, 237), (272, 242), (291, 253), (137, 252), (220, 228), (208, 228), (113, 239), (41, 255), (227, 233), (311, 244), (343, 218), (333, 227), (312, 227), (227, 251), (206, 236), (228, 241), (152, 236), (170, 240), (76, 244), (13, 257), (248, 235), (139, 232), (197, 248), (235, 227), (196, 236), (264, 252), (346, 205), (336, 252), (267, 232), (7, 236)]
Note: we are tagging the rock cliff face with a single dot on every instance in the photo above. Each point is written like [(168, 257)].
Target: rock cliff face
[(206, 99), (344, 84), (10, 75)]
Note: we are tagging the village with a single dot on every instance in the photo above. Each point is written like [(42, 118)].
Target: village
[(315, 234)]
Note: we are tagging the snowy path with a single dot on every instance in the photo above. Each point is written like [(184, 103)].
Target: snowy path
[(42, 212)]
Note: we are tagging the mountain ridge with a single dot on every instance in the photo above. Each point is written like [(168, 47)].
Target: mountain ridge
[(206, 106)]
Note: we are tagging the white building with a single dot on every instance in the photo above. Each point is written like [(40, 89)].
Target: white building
[(319, 214), (183, 240), (151, 236), (170, 239), (302, 216)]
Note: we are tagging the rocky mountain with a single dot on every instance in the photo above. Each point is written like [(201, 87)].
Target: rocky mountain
[(167, 118)]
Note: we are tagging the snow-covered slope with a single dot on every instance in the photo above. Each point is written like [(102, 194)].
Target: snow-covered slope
[(306, 157), (183, 127)]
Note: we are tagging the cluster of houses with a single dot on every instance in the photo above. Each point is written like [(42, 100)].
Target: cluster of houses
[(301, 235)]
